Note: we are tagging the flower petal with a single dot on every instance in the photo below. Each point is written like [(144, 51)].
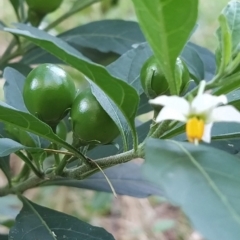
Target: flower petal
[(207, 133), (205, 102), (168, 113), (176, 103), (225, 114)]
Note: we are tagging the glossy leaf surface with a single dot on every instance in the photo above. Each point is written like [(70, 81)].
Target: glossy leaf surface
[(116, 89), (231, 13), (13, 88), (8, 146), (96, 40), (30, 123), (126, 179), (203, 181), (106, 35), (37, 222), (167, 26)]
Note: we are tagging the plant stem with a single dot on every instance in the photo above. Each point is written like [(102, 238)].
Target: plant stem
[(56, 155), (29, 163), (160, 129), (7, 55), (24, 174), (84, 171), (5, 59), (58, 152), (81, 172), (22, 11), (62, 164), (21, 187), (70, 13), (9, 48)]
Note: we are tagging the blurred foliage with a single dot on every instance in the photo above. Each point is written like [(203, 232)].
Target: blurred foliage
[(208, 13)]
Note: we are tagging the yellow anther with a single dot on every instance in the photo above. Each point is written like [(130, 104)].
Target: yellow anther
[(194, 129)]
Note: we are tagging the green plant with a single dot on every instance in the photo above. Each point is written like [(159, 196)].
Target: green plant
[(201, 179), (43, 7), (154, 81), (37, 9), (48, 93), (90, 123)]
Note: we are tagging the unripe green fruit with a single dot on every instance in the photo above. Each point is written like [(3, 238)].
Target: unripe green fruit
[(154, 82), (34, 18), (90, 122), (48, 93), (43, 6), (152, 79), (37, 9)]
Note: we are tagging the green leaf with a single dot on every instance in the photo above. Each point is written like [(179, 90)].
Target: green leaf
[(106, 36), (236, 103), (225, 136), (225, 44), (232, 14), (223, 128), (110, 150), (13, 88), (8, 146), (78, 6), (208, 60), (126, 179), (2, 130), (18, 66), (194, 63), (167, 26), (231, 83), (229, 145), (96, 56), (203, 181), (200, 62), (30, 123), (114, 113), (176, 131), (116, 36), (128, 66), (103, 151), (123, 95), (144, 105), (142, 131), (38, 55), (37, 222)]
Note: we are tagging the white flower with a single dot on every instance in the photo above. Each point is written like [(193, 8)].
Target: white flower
[(199, 114)]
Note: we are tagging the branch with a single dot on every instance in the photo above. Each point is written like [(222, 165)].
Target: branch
[(21, 187), (80, 172), (84, 171)]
